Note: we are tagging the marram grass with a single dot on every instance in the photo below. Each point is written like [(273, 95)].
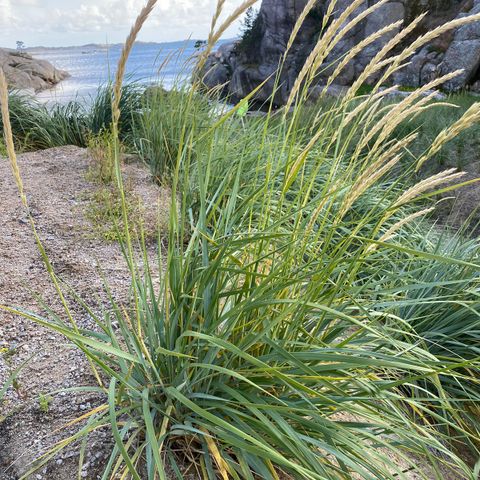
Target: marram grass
[(289, 335)]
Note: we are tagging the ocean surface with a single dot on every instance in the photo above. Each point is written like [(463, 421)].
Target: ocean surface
[(92, 66)]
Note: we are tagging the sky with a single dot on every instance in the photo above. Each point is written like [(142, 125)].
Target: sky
[(78, 22)]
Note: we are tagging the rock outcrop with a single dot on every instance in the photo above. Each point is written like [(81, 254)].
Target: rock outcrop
[(240, 70), (25, 72)]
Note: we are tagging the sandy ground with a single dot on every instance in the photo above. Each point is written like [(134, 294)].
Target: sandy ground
[(58, 193)]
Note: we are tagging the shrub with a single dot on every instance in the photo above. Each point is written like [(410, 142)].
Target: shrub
[(252, 32)]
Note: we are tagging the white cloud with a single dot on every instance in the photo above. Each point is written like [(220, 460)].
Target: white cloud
[(5, 13), (171, 18)]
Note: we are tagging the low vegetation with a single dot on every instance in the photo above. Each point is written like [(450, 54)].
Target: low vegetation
[(102, 151), (38, 126), (104, 211), (309, 321)]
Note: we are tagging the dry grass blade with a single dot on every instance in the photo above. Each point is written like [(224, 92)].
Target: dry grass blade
[(137, 26), (429, 183), (468, 119), (335, 32), (8, 135)]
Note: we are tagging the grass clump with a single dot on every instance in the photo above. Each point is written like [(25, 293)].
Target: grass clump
[(168, 119), (302, 324), (100, 113), (37, 126)]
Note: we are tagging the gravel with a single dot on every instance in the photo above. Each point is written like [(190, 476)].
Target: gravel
[(58, 193)]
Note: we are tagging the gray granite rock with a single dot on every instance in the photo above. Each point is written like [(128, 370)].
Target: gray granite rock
[(25, 72), (240, 72), (464, 53)]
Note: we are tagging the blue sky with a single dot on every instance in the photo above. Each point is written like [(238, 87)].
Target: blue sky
[(74, 22)]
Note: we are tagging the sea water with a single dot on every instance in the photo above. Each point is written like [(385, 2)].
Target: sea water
[(92, 66)]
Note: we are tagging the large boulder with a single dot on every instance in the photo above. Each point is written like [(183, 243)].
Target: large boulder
[(25, 72), (240, 70), (244, 68), (464, 53)]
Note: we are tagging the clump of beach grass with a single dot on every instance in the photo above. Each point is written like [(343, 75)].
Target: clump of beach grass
[(273, 343)]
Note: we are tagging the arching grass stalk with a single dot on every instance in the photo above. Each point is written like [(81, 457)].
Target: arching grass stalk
[(10, 147)]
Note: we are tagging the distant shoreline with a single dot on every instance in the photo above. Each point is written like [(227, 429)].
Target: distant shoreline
[(110, 45)]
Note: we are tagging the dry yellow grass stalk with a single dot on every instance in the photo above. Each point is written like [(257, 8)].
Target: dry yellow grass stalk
[(469, 118), (127, 48), (400, 112), (298, 24), (364, 183), (8, 136), (395, 149), (329, 12), (442, 178), (12, 156), (390, 233), (371, 101), (424, 39), (359, 48), (216, 16), (378, 61), (334, 33)]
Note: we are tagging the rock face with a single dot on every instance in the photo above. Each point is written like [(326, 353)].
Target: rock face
[(25, 72), (240, 70)]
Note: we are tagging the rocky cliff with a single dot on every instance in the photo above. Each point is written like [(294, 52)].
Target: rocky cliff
[(240, 70), (25, 72)]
